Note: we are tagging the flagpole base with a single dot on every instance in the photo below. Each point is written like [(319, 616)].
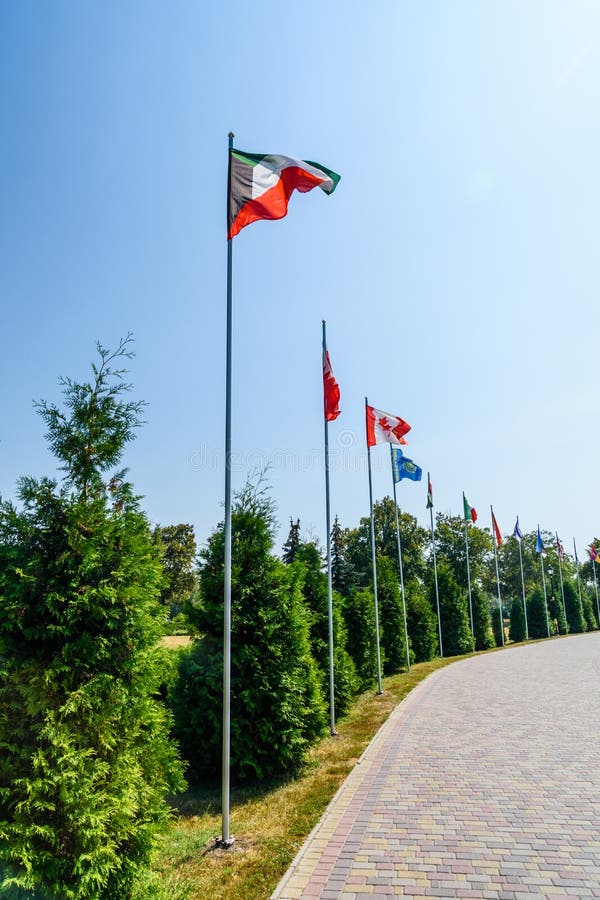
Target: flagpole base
[(225, 843)]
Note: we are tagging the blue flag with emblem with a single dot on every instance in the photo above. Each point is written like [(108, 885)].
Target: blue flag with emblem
[(403, 467)]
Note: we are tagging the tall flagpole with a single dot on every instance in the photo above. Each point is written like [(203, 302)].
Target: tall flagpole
[(544, 586), (329, 574), (577, 570), (400, 562), (596, 587), (523, 584), (437, 593), (226, 838), (562, 587), (497, 578), (468, 570), (379, 687)]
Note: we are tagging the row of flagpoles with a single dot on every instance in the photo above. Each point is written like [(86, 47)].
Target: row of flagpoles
[(259, 187)]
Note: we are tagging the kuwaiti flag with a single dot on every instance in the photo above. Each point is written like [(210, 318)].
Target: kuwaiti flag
[(260, 186), (331, 390), (383, 427)]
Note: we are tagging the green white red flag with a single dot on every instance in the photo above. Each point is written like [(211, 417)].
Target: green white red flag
[(470, 511), (260, 186), (383, 427)]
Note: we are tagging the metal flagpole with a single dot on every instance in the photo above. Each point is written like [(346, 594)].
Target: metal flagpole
[(468, 570), (522, 582), (329, 575), (226, 838), (380, 689), (400, 562), (544, 586), (497, 578), (437, 593), (577, 570), (562, 587)]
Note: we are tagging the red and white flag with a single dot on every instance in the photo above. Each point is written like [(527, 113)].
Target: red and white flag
[(331, 390), (383, 427)]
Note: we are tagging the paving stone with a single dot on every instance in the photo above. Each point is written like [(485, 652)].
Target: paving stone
[(478, 786)]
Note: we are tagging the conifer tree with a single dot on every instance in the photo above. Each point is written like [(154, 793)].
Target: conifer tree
[(536, 614), (359, 612), (456, 632), (314, 591), (86, 760), (391, 618), (422, 622), (556, 613), (517, 632), (482, 625), (277, 705), (497, 621), (292, 543), (575, 617), (589, 613), (342, 573)]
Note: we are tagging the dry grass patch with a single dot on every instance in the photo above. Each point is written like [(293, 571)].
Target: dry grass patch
[(271, 822)]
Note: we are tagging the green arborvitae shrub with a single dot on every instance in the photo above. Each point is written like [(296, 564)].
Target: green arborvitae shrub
[(391, 618), (536, 615), (454, 609), (497, 626), (277, 704), (359, 613), (482, 625), (85, 759), (575, 617), (422, 622), (314, 591), (558, 623), (589, 612), (517, 631)]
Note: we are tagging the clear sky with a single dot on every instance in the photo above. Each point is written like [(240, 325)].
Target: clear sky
[(456, 264)]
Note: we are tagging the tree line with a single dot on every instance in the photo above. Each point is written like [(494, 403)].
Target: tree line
[(99, 721)]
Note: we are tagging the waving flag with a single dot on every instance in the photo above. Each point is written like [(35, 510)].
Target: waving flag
[(559, 548), (403, 467), (496, 530), (470, 511), (539, 544), (593, 553), (517, 533), (429, 504), (331, 390), (260, 186), (383, 427)]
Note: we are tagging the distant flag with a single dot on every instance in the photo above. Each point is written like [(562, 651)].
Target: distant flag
[(559, 548), (403, 467), (383, 427), (260, 186), (429, 504), (496, 530), (539, 544), (470, 511), (593, 553), (517, 533), (331, 390), (575, 551)]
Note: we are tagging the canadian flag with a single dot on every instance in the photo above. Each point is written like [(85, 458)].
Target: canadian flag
[(331, 390), (383, 427)]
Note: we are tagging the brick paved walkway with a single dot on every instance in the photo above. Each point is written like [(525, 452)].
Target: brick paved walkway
[(484, 783)]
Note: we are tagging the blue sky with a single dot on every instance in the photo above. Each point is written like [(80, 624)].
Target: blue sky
[(456, 264)]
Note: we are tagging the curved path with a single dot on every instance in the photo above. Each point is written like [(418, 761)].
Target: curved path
[(484, 783)]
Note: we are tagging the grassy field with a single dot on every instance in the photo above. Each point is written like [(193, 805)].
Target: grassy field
[(270, 822)]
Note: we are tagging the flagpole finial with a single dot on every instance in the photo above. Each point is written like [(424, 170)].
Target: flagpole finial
[(231, 135)]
